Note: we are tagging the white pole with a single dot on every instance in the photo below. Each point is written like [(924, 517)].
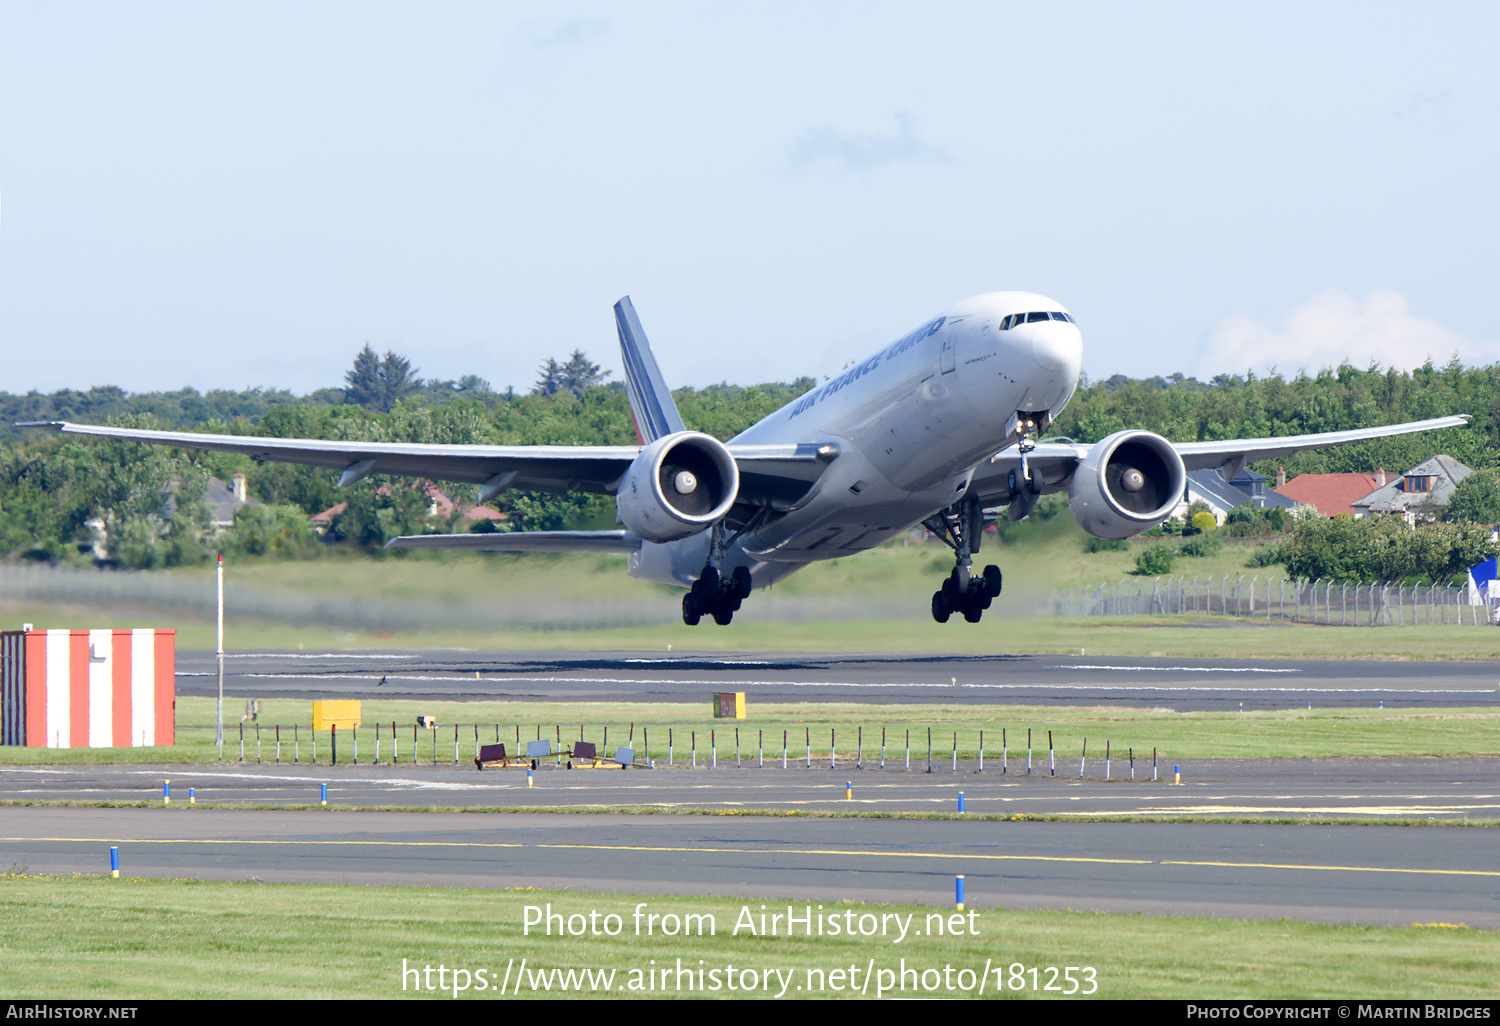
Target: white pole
[(220, 729)]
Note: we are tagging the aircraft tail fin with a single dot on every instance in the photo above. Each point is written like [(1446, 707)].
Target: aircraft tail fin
[(650, 400)]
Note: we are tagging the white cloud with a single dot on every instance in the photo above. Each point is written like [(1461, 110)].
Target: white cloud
[(865, 151), (544, 34), (1333, 328)]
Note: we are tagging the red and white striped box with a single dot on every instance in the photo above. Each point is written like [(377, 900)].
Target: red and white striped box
[(88, 689)]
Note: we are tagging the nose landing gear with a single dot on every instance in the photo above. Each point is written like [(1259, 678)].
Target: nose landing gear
[(960, 527)]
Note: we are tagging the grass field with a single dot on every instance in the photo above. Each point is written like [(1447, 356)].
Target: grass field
[(824, 727), (896, 580), (91, 938)]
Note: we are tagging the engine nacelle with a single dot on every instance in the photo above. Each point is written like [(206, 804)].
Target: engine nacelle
[(679, 485), (1130, 482)]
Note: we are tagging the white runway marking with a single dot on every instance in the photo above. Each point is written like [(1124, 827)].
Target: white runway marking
[(508, 679), (1183, 669), (309, 655)]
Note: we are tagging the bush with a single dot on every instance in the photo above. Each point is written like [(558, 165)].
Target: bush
[(1205, 544), (1204, 521), (1266, 555), (1092, 544), (1154, 561)]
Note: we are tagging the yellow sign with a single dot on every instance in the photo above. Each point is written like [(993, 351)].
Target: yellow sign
[(343, 713), (729, 706)]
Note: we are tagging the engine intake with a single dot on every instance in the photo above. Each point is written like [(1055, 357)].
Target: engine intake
[(679, 485), (1129, 483)]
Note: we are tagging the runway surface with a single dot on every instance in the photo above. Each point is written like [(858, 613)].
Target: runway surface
[(1374, 875), (1366, 874), (1182, 684), (1441, 789)]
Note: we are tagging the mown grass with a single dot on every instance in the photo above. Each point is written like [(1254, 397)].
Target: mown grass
[(99, 939), (1188, 636), (842, 728), (1037, 560)]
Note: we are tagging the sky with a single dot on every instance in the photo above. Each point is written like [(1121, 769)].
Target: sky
[(237, 195)]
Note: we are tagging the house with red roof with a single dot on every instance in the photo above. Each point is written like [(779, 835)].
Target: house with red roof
[(1332, 494)]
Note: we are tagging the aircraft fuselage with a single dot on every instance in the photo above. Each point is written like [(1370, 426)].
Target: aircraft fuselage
[(911, 423)]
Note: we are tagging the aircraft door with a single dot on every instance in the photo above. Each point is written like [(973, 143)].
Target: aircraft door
[(948, 347)]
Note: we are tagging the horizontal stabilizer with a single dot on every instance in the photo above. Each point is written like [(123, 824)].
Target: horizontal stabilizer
[(523, 541)]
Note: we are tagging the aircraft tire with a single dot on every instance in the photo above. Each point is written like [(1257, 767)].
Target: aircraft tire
[(707, 582), (691, 614), (723, 615), (992, 580), (940, 610), (741, 582), (973, 611)]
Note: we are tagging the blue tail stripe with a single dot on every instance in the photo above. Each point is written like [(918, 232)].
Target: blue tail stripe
[(650, 400)]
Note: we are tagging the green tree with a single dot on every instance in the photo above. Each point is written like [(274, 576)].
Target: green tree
[(551, 380), (1476, 500), (379, 383), (579, 374)]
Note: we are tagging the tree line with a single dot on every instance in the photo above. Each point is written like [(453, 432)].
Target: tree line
[(50, 486)]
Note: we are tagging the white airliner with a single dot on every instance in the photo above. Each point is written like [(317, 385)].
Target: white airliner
[(936, 428)]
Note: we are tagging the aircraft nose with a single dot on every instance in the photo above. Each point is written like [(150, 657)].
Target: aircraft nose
[(1057, 345)]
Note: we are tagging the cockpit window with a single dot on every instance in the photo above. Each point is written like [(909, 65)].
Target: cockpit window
[(1013, 320)]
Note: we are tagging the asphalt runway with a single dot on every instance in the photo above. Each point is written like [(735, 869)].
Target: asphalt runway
[(1181, 684), (1358, 874), (1440, 789), (1366, 874)]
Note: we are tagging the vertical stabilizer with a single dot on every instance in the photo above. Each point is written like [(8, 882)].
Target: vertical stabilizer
[(650, 400)]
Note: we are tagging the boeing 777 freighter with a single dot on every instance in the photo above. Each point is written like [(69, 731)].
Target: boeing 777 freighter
[(936, 428)]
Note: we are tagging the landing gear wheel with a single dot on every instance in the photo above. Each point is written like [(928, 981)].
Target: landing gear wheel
[(723, 615), (951, 593), (940, 610), (992, 580), (691, 614), (707, 583), (740, 582), (961, 527)]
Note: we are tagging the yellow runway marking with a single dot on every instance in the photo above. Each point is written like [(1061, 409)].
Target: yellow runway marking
[(844, 853)]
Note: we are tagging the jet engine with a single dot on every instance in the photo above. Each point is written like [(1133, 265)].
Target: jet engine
[(1130, 482), (679, 485)]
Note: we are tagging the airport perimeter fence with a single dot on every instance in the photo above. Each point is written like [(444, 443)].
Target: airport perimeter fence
[(1370, 604), (1325, 602), (920, 749)]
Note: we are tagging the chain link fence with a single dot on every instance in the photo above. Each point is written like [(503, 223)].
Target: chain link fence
[(1371, 604), (1326, 602), (376, 613)]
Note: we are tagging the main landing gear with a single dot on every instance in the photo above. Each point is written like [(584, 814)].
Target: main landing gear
[(712, 594), (960, 527), (716, 596)]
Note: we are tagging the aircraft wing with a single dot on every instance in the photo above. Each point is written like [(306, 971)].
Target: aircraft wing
[(769, 474), (1053, 462), (523, 541)]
